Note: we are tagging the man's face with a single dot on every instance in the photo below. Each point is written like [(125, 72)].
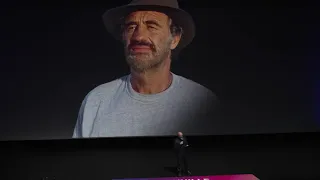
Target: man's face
[(147, 39)]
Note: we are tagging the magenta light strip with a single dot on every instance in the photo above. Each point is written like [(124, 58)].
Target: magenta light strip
[(219, 177)]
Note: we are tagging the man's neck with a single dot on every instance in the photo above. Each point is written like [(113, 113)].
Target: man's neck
[(152, 81)]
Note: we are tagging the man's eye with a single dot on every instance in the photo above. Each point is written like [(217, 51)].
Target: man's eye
[(130, 28), (151, 27)]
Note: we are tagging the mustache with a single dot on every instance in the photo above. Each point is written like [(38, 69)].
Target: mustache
[(141, 43)]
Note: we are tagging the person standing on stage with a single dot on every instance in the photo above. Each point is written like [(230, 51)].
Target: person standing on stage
[(181, 145)]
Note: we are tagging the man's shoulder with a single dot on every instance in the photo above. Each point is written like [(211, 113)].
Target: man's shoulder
[(194, 87), (108, 88)]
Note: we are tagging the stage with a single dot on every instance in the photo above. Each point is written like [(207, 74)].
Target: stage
[(284, 158)]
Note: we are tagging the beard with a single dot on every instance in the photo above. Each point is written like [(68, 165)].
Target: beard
[(142, 62)]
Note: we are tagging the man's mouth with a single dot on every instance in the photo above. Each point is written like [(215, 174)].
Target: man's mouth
[(140, 48)]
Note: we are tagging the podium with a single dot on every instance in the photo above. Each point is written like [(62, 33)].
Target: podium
[(217, 177)]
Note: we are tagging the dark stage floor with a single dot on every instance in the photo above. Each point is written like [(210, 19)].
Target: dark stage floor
[(85, 160), (137, 163)]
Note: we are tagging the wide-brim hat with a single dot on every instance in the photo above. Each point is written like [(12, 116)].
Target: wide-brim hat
[(113, 18)]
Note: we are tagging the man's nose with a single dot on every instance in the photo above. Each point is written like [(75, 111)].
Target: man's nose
[(140, 34)]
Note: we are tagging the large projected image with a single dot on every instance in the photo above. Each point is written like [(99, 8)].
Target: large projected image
[(155, 68), (151, 101)]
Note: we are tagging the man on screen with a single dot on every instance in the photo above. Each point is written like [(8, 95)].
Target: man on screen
[(151, 100)]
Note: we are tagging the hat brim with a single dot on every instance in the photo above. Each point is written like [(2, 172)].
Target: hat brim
[(114, 17)]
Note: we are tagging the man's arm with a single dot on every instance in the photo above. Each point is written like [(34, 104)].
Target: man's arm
[(176, 143), (77, 130), (186, 144), (213, 104), (77, 133), (211, 115), (86, 117)]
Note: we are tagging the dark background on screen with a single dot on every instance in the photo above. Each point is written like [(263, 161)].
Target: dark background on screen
[(256, 59)]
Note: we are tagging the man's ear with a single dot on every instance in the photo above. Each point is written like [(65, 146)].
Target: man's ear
[(175, 41)]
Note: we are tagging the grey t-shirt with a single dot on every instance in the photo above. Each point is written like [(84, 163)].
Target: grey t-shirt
[(114, 109)]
